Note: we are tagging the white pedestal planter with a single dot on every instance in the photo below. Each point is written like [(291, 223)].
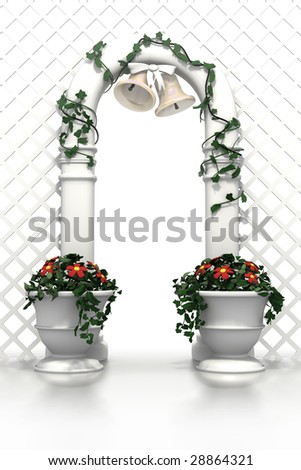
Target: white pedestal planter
[(56, 321), (233, 324)]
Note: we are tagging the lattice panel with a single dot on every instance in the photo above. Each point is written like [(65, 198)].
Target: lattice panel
[(257, 44)]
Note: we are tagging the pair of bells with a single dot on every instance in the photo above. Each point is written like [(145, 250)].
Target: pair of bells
[(135, 94)]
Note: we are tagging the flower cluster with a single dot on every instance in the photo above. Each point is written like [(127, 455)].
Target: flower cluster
[(69, 273), (77, 270), (239, 272), (226, 272)]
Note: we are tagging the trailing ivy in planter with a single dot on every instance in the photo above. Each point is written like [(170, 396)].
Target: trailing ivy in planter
[(223, 273), (69, 274)]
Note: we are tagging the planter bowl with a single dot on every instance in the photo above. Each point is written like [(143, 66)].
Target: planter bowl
[(63, 342), (233, 323), (62, 311), (56, 320), (233, 308), (230, 342)]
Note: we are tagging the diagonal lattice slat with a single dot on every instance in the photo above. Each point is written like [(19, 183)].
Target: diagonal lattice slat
[(258, 46)]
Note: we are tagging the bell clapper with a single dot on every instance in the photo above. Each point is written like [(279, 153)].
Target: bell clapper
[(131, 87)]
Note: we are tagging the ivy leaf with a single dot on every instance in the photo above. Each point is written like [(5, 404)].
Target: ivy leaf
[(210, 90), (215, 178), (62, 101), (70, 105), (208, 66), (211, 76), (196, 63), (63, 136), (236, 172), (227, 168), (71, 152), (146, 40), (98, 62), (83, 140), (137, 48), (108, 75), (130, 56), (176, 48), (235, 122), (166, 42), (90, 161), (78, 133), (230, 197), (181, 56), (215, 144), (81, 95), (203, 104), (215, 208), (243, 197), (85, 326), (159, 35), (99, 46), (90, 55), (85, 129)]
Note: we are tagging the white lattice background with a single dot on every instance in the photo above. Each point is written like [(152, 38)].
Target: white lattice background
[(257, 44)]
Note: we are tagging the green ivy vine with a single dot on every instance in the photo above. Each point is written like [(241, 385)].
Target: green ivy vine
[(220, 150), (76, 112)]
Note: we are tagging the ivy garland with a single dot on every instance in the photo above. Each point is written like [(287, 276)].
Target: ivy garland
[(216, 140)]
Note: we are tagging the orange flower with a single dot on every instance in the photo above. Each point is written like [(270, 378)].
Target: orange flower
[(76, 270), (223, 272), (251, 266), (202, 269), (251, 277)]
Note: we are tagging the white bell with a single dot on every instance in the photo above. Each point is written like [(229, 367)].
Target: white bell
[(134, 93), (172, 98)]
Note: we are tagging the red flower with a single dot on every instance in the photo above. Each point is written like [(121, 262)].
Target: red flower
[(251, 277), (76, 270), (92, 265), (102, 277), (47, 268), (223, 272), (202, 269), (216, 258), (251, 266), (52, 260)]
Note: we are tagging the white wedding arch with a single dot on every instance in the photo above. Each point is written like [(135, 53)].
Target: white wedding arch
[(78, 180)]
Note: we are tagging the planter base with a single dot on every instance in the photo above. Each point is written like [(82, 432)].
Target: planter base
[(63, 365), (242, 365)]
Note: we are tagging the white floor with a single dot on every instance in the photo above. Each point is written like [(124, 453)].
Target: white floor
[(142, 403)]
